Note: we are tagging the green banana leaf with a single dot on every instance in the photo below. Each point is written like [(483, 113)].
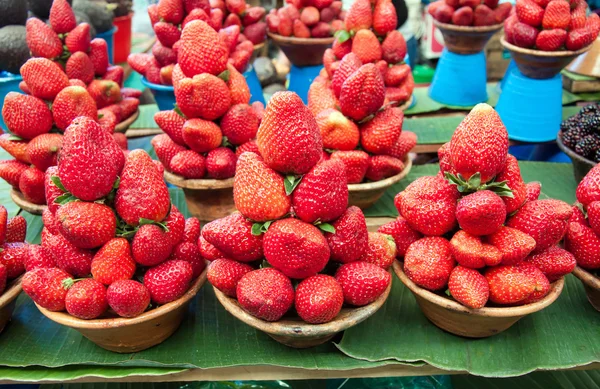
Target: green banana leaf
[(537, 380), (67, 373)]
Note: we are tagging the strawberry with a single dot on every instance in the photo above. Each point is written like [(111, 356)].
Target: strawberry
[(2, 278), (578, 17), (554, 262), (285, 26), (544, 220), (239, 124), (463, 16), (502, 12), (381, 250), (216, 19), (428, 262), (189, 252), (13, 256), (50, 222), (140, 61), (191, 5), (514, 244), (366, 46), (130, 92), (582, 242), (593, 24), (481, 213), (171, 11), (320, 98), (16, 229), (348, 65), (11, 172), (224, 274), (167, 34), (202, 135), (62, 18), (380, 134), (16, 148), (363, 93), (253, 15), (468, 3), (337, 131), (395, 75), (578, 216), (272, 23), (235, 6), (529, 13), (45, 287), (31, 184), (588, 189), (114, 73), (232, 20), (357, 163), (442, 13), (557, 15), (142, 192), (113, 262), (69, 258), (394, 48), (382, 167), (150, 245), (90, 160), (359, 16), (198, 52), (238, 88), (329, 62), (340, 49), (172, 124), (195, 103), (484, 16), (153, 14), (39, 257), (533, 190), (265, 293), (72, 102), (86, 299), (78, 39), (42, 40), (579, 38), (288, 137), (468, 250), (310, 16), (99, 55), (509, 284), (319, 299), (128, 106), (428, 204), (104, 92), (300, 30), (128, 298), (511, 173), (296, 248), (233, 237), (349, 241), (362, 282), (26, 116), (230, 35), (468, 287), (541, 283), (593, 212), (384, 17), (221, 163), (402, 234), (108, 121), (51, 190), (168, 281), (209, 251), (165, 149), (188, 164), (405, 143), (86, 225), (524, 35), (3, 223)]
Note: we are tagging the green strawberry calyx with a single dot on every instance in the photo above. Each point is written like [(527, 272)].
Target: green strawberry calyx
[(291, 182), (325, 227), (127, 231), (67, 283), (342, 35), (66, 196), (473, 184), (260, 228)]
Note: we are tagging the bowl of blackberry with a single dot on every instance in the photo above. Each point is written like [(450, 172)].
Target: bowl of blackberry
[(579, 138)]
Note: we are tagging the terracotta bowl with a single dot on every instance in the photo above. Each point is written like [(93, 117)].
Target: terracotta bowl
[(581, 165), (541, 64), (367, 194), (457, 319), (466, 39), (8, 299), (30, 207), (302, 51), (124, 125), (591, 283), (123, 335), (207, 199), (296, 333)]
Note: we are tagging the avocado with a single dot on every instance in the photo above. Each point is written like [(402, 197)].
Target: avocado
[(12, 12), (97, 11), (80, 17), (13, 48), (40, 8)]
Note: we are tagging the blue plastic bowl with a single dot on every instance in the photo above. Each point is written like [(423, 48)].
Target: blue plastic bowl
[(256, 92), (531, 109), (8, 83), (108, 36), (460, 80), (300, 79), (163, 94)]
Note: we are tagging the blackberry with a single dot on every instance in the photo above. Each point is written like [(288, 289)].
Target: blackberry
[(592, 108), (591, 122), (588, 146), (573, 136), (569, 124), (597, 156)]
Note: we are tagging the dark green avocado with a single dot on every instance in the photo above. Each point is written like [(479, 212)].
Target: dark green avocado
[(13, 12), (13, 48), (40, 8), (98, 12)]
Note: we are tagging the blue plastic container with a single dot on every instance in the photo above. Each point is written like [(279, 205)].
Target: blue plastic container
[(459, 80), (164, 95), (8, 83), (256, 92), (511, 65), (531, 109), (108, 36), (300, 79)]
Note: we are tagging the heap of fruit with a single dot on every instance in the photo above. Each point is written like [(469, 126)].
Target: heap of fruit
[(583, 234), (294, 214), (478, 13), (14, 252), (239, 26), (307, 19), (204, 128), (503, 247), (551, 25), (581, 133), (109, 222)]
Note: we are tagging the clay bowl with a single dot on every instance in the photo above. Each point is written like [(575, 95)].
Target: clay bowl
[(123, 335), (207, 199), (124, 125), (367, 194), (8, 299), (257, 51), (591, 285), (541, 64), (466, 39), (406, 105), (457, 319), (302, 51), (296, 333), (581, 165), (25, 205)]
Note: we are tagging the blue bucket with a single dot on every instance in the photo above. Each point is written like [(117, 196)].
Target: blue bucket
[(164, 95), (8, 83), (531, 109), (108, 36), (460, 80), (300, 79), (511, 66), (256, 92)]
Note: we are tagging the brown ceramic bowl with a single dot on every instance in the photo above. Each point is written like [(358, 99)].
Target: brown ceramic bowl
[(124, 125), (541, 64), (8, 299), (367, 194), (302, 51), (129, 335), (295, 332), (25, 205), (466, 39), (591, 284), (581, 165), (457, 319)]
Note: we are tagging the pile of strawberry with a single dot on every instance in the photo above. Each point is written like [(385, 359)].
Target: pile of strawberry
[(109, 216), (202, 132), (551, 25), (583, 235), (14, 252), (476, 13), (293, 212), (503, 247), (239, 26), (307, 18)]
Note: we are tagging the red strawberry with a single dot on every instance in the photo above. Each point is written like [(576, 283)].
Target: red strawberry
[(150, 245), (130, 92), (238, 88), (39, 257), (104, 92), (113, 262), (253, 15), (403, 235), (484, 16), (542, 285), (43, 150), (13, 256), (166, 74), (198, 52), (189, 164), (381, 250), (514, 244), (172, 124), (593, 24), (62, 18), (31, 184), (469, 251), (319, 299), (529, 12), (468, 287), (578, 17), (78, 39), (588, 189), (114, 73), (340, 49), (509, 284), (128, 298), (189, 252), (511, 173), (107, 119), (72, 102), (593, 211), (232, 235), (338, 132), (128, 106), (469, 3), (99, 55), (394, 47), (578, 216), (42, 40), (239, 124), (395, 75), (524, 35), (171, 11), (533, 190), (300, 29), (579, 38), (265, 293), (272, 23), (86, 225), (554, 262), (366, 46), (405, 143), (356, 162), (168, 281), (165, 149), (16, 148), (16, 229), (86, 299), (481, 213), (502, 12), (350, 240), (382, 167), (202, 135), (362, 282), (51, 190), (2, 278), (26, 116), (348, 65), (359, 16), (463, 16), (50, 222), (69, 258), (139, 61), (380, 134), (195, 103), (363, 93), (191, 232), (224, 274), (167, 34), (3, 223), (310, 16), (442, 12), (321, 97), (583, 243), (45, 287), (11, 172), (216, 18), (209, 251), (384, 17), (428, 262), (221, 163), (557, 15)]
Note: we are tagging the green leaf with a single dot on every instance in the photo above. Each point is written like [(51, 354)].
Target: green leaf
[(291, 182), (224, 75), (65, 198), (260, 228), (144, 221), (56, 181), (178, 111), (475, 180), (342, 35), (100, 116), (326, 227), (265, 264), (67, 283), (117, 183), (447, 292), (225, 142), (14, 137)]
